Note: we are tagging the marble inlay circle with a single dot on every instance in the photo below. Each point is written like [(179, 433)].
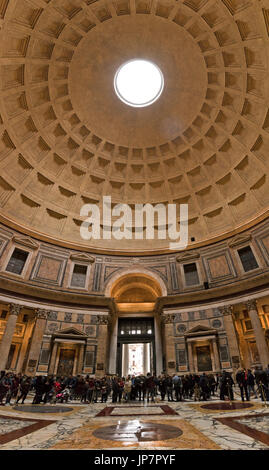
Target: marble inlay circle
[(226, 406), (136, 431), (42, 409)]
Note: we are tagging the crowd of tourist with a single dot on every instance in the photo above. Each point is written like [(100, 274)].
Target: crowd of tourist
[(91, 389)]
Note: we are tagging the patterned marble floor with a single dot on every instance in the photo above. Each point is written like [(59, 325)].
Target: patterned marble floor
[(136, 426)]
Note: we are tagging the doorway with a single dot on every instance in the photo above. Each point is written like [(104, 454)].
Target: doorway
[(136, 347)]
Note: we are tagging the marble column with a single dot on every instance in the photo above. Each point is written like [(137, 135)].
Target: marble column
[(26, 339), (36, 342), (258, 332), (125, 359), (190, 357), (228, 321), (14, 311), (158, 345), (53, 358), (170, 352), (146, 364), (102, 348), (216, 355), (113, 348), (81, 359)]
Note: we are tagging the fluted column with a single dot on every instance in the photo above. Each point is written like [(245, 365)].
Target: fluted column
[(36, 342), (14, 311), (258, 332), (102, 348), (170, 353), (227, 312)]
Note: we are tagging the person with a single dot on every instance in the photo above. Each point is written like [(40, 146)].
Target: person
[(204, 386), (177, 383), (251, 384), (48, 389), (84, 390), (140, 387), (91, 388), (241, 379), (212, 384), (121, 388), (24, 389), (4, 386), (197, 392), (226, 383), (261, 378), (10, 384), (39, 389), (162, 387), (169, 388), (128, 389), (104, 390), (150, 385), (115, 389)]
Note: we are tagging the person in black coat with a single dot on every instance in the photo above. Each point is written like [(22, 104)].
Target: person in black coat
[(242, 380), (115, 389), (251, 384), (226, 386), (39, 390), (162, 387), (204, 385), (24, 389)]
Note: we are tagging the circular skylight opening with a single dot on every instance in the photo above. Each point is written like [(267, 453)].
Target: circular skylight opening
[(138, 83)]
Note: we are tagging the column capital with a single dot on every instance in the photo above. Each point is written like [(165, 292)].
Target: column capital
[(42, 314), (226, 310), (169, 318), (102, 320), (14, 309), (251, 304)]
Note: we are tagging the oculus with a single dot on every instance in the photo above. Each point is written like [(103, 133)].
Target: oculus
[(138, 83)]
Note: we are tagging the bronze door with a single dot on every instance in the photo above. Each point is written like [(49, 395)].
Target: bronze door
[(66, 362)]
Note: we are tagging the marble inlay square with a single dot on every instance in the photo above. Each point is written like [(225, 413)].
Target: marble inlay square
[(14, 428), (255, 426), (138, 410)]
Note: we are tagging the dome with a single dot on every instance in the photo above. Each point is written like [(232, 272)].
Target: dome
[(68, 140)]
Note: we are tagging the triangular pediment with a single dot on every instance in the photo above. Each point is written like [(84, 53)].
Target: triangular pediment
[(70, 332), (26, 241), (189, 255), (239, 240), (82, 257), (201, 329)]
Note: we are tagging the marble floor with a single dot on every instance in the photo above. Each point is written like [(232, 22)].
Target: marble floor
[(164, 425)]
